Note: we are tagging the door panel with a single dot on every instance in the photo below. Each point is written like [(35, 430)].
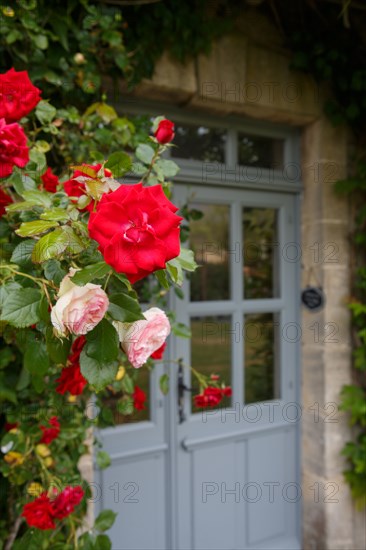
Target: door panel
[(243, 445), (135, 487)]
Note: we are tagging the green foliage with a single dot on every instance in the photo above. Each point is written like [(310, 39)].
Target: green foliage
[(353, 397)]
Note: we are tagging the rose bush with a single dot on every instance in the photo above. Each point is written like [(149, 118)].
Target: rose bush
[(73, 331)]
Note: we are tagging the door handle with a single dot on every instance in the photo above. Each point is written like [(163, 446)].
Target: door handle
[(181, 389)]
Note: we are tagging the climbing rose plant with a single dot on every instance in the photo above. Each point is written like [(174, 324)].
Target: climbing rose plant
[(72, 247)]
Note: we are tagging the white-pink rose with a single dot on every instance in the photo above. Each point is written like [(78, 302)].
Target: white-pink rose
[(140, 339), (78, 308)]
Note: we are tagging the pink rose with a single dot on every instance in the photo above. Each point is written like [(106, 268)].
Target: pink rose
[(140, 339), (78, 308)]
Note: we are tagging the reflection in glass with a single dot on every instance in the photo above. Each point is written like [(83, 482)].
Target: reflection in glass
[(211, 350), (260, 151), (113, 403), (209, 239), (261, 377), (260, 253), (199, 143)]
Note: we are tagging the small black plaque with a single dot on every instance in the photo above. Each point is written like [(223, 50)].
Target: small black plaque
[(313, 298)]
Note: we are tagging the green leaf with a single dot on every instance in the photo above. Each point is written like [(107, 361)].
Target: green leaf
[(175, 271), (58, 350), (21, 206), (7, 289), (95, 271), (105, 520), (127, 384), (145, 153), (21, 307), (124, 308), (53, 271), (181, 330), (6, 357), (125, 406), (50, 246), (103, 460), (164, 383), (75, 244), (42, 146), (37, 163), (168, 167), (36, 359), (41, 41), (162, 278), (34, 228), (98, 374), (186, 259), (6, 393), (45, 112), (119, 163), (23, 380), (21, 182), (102, 342), (40, 198), (22, 253), (123, 279), (102, 542), (106, 112), (55, 215)]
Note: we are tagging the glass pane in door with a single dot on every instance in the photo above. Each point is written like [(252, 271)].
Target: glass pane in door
[(261, 363), (209, 239), (211, 351), (260, 253)]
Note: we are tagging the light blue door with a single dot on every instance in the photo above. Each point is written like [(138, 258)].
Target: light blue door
[(227, 478)]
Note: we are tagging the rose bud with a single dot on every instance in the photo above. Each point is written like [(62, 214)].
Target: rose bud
[(165, 131)]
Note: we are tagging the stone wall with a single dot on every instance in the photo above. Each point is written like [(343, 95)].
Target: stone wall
[(248, 74)]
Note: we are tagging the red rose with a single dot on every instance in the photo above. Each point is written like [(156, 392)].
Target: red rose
[(4, 201), (139, 398), (214, 377), (49, 434), (165, 131), (209, 398), (18, 96), (64, 504), (50, 181), (158, 354), (137, 230), (39, 513), (227, 392), (75, 188), (71, 380), (13, 148), (10, 426), (76, 349)]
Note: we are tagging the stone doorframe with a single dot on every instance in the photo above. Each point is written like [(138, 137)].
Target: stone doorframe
[(244, 77)]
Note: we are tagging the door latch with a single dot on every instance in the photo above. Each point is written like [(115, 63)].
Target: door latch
[(181, 389)]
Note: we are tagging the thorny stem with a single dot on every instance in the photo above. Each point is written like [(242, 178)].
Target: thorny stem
[(37, 280), (153, 160)]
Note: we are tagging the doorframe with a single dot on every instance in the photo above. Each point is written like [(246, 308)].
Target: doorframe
[(192, 171)]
